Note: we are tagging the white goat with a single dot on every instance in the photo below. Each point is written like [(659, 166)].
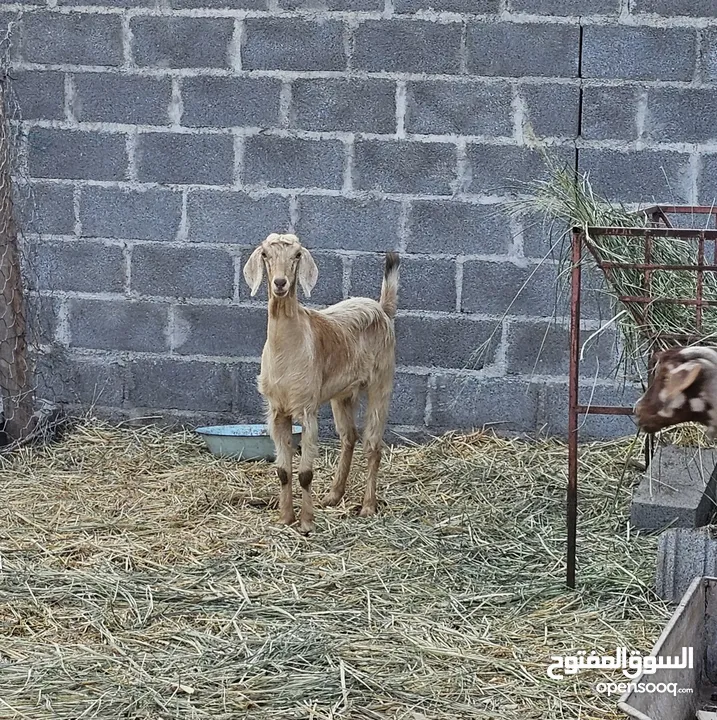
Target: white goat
[(315, 356)]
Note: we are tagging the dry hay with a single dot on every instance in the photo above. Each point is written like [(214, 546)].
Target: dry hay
[(142, 578)]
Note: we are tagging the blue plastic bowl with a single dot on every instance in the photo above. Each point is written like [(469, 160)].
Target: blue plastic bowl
[(243, 442)]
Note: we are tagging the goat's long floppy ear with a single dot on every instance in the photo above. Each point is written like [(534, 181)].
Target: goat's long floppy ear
[(308, 272), (681, 377), (254, 271)]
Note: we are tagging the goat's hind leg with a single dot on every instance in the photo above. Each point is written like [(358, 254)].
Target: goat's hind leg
[(280, 431), (376, 416), (344, 410), (309, 452)]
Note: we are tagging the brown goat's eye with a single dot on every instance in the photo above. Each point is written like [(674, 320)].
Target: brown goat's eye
[(298, 255), (263, 254)]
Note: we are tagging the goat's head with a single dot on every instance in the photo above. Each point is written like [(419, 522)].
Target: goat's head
[(286, 262), (677, 391)]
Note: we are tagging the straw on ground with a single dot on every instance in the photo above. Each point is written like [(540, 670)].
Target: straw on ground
[(142, 578)]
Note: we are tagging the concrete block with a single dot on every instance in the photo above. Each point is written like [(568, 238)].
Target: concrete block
[(234, 217), (64, 378), (49, 209), (405, 167), (566, 7), (41, 95), (638, 53), (42, 316), (220, 4), (76, 155), (456, 228), (482, 7), (186, 272), (463, 109), (74, 38), (677, 115), (707, 181), (219, 330), (502, 169), (56, 266), (248, 404), (230, 102), (330, 287), (152, 214), (293, 162), (444, 342), (540, 348), (181, 158), (495, 288), (709, 54), (173, 384), (109, 3), (105, 97), (119, 325), (676, 8), (347, 224), (293, 44), (181, 42), (610, 113), (525, 49), (348, 104), (346, 5), (408, 400), (464, 402), (552, 110), (682, 555), (640, 177), (678, 489), (413, 46), (425, 284)]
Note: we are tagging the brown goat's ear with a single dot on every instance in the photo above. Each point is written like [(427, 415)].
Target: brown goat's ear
[(308, 272), (681, 377), (254, 271)]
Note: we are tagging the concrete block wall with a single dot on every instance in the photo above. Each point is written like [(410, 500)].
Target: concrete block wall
[(163, 139)]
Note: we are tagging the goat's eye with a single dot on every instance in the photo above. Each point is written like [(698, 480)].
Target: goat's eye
[(298, 255), (263, 254)]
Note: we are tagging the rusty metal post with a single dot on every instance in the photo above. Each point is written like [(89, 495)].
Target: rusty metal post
[(572, 494), (14, 370)]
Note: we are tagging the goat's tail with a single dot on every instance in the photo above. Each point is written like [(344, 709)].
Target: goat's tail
[(389, 287)]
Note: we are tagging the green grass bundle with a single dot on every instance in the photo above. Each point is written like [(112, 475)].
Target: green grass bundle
[(568, 197)]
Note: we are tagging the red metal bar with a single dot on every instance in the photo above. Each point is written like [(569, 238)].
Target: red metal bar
[(700, 280), (639, 232), (608, 264), (574, 372), (603, 410), (644, 300)]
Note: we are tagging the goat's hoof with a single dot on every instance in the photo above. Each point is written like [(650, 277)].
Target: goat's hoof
[(306, 527), (368, 511), (331, 500), (288, 519)]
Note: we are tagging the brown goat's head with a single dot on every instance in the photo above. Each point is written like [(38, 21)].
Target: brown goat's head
[(286, 261), (676, 391)]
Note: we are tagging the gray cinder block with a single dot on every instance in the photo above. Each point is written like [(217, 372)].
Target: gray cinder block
[(76, 154), (515, 50), (678, 489), (638, 53), (408, 46), (682, 555)]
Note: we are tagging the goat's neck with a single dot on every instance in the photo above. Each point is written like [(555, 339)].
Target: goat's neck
[(284, 331)]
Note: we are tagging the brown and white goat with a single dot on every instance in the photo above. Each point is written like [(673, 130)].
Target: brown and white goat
[(683, 389), (315, 356)]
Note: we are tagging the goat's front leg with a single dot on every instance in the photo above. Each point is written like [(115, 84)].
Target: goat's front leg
[(280, 431), (309, 452)]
